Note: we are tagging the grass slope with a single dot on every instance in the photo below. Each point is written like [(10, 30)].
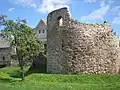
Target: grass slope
[(57, 81)]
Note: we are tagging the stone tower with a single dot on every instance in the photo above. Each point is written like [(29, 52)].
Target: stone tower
[(75, 48), (54, 43)]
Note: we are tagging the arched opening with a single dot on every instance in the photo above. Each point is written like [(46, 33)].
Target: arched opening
[(60, 19)]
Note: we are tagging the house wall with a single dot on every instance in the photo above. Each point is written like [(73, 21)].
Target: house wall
[(5, 55), (5, 50)]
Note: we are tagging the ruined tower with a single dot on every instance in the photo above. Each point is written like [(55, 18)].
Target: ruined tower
[(75, 48)]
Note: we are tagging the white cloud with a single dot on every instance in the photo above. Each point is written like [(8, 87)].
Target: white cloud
[(90, 1), (96, 14), (102, 3), (49, 5), (28, 3), (116, 20), (33, 5), (105, 8), (110, 1), (11, 9), (115, 11), (43, 6)]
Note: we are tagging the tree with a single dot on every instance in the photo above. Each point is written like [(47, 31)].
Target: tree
[(23, 38)]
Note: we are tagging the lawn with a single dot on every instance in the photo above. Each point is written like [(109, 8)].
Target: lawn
[(37, 81)]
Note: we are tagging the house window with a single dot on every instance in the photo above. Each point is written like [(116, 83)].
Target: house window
[(60, 21), (39, 31), (43, 31)]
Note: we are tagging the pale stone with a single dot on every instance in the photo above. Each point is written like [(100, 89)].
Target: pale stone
[(83, 48)]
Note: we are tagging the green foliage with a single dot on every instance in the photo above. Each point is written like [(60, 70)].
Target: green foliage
[(23, 38), (26, 40), (57, 81), (81, 79)]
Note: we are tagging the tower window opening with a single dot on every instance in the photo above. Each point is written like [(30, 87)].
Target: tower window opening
[(60, 21)]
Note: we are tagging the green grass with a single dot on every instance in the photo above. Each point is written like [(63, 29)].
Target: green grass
[(57, 81)]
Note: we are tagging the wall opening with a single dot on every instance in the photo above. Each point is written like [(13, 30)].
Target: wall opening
[(60, 19)]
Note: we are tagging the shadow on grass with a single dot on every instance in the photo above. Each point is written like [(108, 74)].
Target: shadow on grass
[(7, 80), (4, 80), (31, 70), (17, 74), (38, 66), (41, 69)]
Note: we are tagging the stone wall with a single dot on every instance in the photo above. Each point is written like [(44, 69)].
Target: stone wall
[(76, 48)]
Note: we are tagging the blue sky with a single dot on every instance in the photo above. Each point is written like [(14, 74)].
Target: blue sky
[(88, 11)]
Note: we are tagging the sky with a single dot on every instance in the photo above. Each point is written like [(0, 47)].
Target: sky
[(85, 11)]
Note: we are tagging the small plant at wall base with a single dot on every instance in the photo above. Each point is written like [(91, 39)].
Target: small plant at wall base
[(23, 38)]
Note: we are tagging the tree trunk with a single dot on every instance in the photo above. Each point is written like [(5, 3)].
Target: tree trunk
[(21, 64), (20, 60), (22, 70)]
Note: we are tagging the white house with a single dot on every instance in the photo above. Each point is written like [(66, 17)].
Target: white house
[(41, 30)]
